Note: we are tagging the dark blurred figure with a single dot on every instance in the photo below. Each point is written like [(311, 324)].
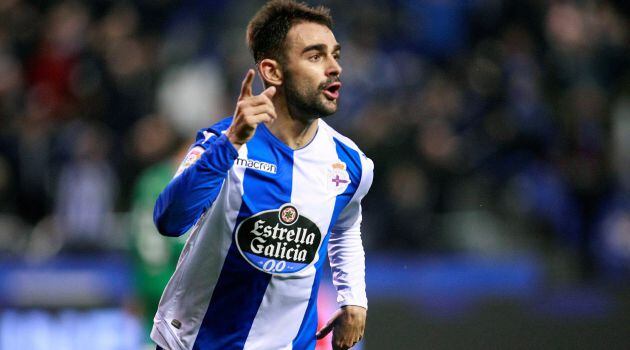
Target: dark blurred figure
[(33, 155), (86, 192)]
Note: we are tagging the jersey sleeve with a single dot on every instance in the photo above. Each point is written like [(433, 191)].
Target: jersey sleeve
[(197, 182), (345, 247)]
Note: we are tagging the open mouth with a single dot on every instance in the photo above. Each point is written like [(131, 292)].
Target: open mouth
[(332, 90)]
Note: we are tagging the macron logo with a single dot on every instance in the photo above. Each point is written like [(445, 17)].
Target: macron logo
[(256, 164)]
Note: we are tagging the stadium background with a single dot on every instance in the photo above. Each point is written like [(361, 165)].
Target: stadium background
[(500, 212)]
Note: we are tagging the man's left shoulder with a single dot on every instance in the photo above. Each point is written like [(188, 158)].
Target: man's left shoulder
[(355, 163), (345, 142)]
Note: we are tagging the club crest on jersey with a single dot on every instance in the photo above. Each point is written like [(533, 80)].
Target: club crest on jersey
[(279, 241), (256, 164), (338, 178)]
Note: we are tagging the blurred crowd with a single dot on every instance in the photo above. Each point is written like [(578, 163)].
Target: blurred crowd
[(495, 126)]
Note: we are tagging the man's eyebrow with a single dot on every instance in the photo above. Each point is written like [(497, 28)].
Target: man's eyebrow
[(316, 47), (320, 48)]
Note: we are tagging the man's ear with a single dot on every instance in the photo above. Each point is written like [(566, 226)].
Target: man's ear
[(270, 72)]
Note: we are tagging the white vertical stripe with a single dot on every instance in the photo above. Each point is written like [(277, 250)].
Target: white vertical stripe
[(285, 301), (187, 295)]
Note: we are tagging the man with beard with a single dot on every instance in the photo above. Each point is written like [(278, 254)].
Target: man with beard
[(270, 192)]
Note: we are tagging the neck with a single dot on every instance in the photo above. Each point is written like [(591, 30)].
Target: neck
[(295, 131)]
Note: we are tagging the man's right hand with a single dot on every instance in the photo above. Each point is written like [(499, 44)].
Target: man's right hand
[(250, 111)]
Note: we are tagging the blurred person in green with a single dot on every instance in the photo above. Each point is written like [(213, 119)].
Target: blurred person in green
[(154, 258)]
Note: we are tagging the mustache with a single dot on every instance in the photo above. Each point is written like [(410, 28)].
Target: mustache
[(329, 81)]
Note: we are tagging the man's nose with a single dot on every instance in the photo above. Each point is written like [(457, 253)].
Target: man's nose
[(334, 68)]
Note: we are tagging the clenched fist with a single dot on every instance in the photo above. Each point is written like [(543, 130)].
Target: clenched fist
[(250, 111)]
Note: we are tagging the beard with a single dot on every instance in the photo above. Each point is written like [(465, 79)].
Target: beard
[(308, 102)]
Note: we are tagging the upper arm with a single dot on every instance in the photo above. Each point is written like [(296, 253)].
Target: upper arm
[(350, 216), (204, 138)]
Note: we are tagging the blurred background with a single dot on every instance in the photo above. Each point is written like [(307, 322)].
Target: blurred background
[(499, 217)]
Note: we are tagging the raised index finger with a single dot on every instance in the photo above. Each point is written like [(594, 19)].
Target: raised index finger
[(246, 87)]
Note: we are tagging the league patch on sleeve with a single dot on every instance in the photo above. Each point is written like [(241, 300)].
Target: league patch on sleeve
[(190, 159)]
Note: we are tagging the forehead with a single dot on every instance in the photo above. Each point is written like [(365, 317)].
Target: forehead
[(305, 34)]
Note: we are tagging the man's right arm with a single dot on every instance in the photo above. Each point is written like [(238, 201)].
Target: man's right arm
[(195, 187)]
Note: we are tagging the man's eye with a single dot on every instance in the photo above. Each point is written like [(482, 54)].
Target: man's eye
[(315, 58)]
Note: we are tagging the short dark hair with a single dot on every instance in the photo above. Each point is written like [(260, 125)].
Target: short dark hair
[(267, 30)]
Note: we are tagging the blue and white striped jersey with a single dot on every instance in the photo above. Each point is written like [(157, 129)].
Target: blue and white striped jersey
[(264, 219)]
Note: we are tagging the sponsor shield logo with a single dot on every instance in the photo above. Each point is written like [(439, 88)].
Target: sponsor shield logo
[(279, 241)]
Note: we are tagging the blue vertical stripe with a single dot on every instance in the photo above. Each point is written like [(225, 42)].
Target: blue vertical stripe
[(241, 287), (305, 338)]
